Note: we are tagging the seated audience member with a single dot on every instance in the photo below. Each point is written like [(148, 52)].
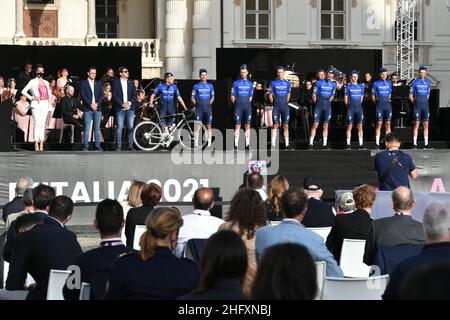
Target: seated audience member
[(200, 224), (256, 182), (133, 197), (95, 265), (319, 214), (42, 197), (23, 119), (429, 283), (247, 214), (47, 246), (291, 230), (26, 222), (346, 203), (223, 267), (396, 230), (71, 111), (150, 196), (436, 223), (277, 186), (154, 272), (16, 204), (285, 272), (352, 225), (27, 200)]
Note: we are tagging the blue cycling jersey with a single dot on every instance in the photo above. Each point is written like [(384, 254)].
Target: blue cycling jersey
[(420, 87), (203, 92), (168, 92), (280, 88), (382, 90), (325, 89), (355, 91), (242, 90)]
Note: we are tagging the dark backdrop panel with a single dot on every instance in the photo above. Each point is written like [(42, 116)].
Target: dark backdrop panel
[(77, 59), (262, 62)]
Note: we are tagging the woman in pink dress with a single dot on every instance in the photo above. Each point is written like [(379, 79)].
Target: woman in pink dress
[(23, 120)]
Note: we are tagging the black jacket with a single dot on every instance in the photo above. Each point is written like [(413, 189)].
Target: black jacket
[(392, 231), (14, 206), (319, 214), (135, 216), (68, 107), (95, 266), (44, 247), (353, 225), (224, 289)]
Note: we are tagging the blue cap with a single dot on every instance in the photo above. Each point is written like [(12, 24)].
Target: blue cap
[(383, 70), (202, 70), (243, 67), (422, 67), (168, 74), (280, 67), (330, 71), (355, 72)]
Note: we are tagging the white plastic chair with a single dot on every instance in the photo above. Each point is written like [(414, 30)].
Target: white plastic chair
[(28, 281), (321, 271), (323, 232), (138, 231), (351, 261), (85, 291), (56, 282), (370, 288), (123, 236)]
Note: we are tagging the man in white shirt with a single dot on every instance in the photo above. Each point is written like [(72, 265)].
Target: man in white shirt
[(199, 224), (256, 182)]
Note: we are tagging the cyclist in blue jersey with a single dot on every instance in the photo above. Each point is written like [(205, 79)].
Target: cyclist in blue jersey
[(169, 92), (381, 97), (241, 97), (324, 91), (419, 95), (354, 95), (202, 98), (279, 95)]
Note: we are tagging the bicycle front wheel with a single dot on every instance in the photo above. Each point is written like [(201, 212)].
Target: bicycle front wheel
[(193, 135), (147, 136)]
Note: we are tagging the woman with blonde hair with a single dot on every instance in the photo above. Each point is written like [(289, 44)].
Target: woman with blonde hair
[(133, 197), (277, 186), (154, 272)]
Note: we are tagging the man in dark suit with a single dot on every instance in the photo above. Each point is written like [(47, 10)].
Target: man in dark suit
[(16, 204), (396, 230), (436, 223), (124, 95), (47, 246), (353, 225), (71, 111), (42, 197), (91, 93), (95, 265), (320, 214), (25, 76)]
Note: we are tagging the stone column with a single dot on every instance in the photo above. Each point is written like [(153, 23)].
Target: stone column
[(19, 20), (91, 29), (201, 46), (174, 42)]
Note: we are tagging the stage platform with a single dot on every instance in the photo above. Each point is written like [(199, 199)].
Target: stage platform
[(89, 177)]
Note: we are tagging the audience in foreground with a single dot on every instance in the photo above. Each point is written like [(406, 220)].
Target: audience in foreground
[(27, 200), (285, 272), (133, 197), (353, 225), (291, 230), (154, 272), (320, 213), (436, 223), (256, 182), (16, 204), (278, 185), (200, 224), (396, 230), (247, 214), (150, 196), (223, 268), (46, 246), (95, 265)]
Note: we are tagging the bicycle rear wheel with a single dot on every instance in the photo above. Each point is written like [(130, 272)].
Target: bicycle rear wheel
[(147, 135), (187, 135)]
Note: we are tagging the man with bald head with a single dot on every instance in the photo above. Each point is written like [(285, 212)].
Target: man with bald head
[(16, 204), (199, 224), (396, 230)]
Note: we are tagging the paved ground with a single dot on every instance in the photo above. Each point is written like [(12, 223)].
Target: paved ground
[(88, 240)]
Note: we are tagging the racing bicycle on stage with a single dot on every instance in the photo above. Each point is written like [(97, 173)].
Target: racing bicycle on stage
[(149, 135)]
